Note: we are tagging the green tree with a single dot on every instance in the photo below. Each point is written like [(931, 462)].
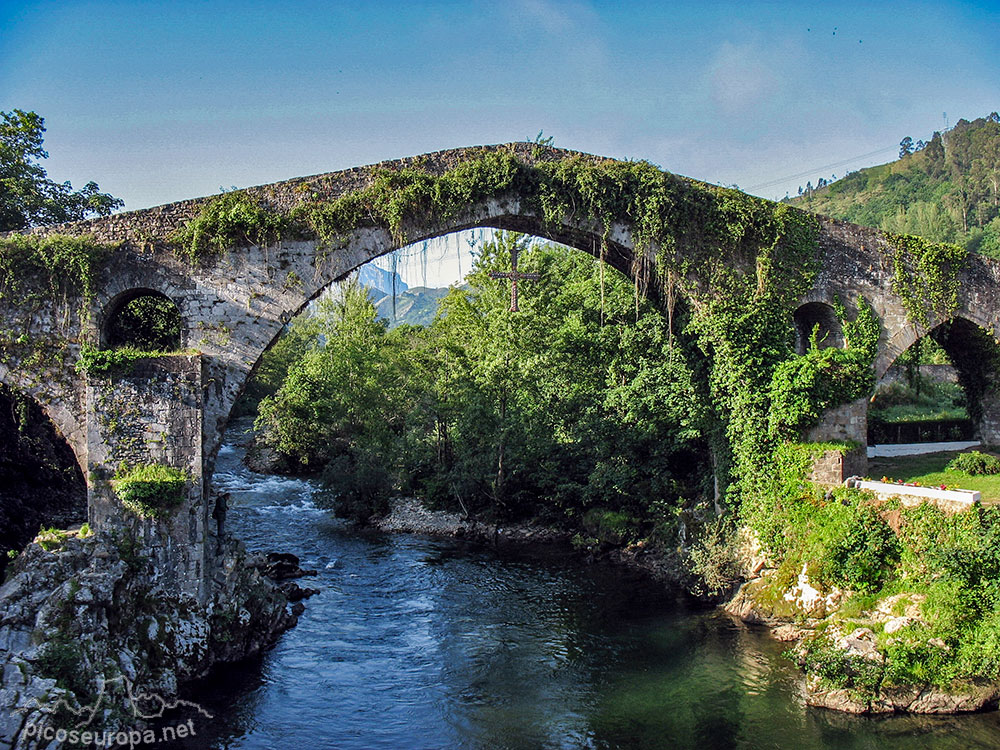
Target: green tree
[(27, 196), (343, 406)]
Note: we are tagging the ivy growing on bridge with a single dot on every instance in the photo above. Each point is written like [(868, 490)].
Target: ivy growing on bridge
[(864, 332), (234, 218), (114, 362), (44, 268), (925, 274)]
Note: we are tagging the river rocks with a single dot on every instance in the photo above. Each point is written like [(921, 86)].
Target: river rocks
[(744, 605), (280, 566), (860, 642), (407, 514), (787, 633), (757, 602), (842, 699), (897, 623), (809, 599), (91, 614), (900, 605), (294, 593), (968, 697)]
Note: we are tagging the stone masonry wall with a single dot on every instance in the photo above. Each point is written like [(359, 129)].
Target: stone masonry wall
[(849, 424), (153, 415)]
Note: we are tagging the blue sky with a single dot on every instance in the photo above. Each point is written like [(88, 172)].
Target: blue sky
[(159, 101)]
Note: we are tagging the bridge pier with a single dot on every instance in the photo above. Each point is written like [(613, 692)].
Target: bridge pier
[(153, 415), (847, 423), (989, 421)]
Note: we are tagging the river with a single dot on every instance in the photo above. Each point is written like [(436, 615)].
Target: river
[(426, 643)]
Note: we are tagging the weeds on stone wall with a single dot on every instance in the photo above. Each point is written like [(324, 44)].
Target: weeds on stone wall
[(116, 362), (151, 490), (43, 268), (233, 219)]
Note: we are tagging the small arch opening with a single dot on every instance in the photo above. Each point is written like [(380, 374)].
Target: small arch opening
[(940, 389), (817, 321), (41, 483), (144, 319)]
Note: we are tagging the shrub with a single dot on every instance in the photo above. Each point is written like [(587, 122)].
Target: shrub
[(609, 526), (63, 660), (357, 485), (975, 463), (917, 664), (151, 490), (838, 669), (712, 558), (864, 556)]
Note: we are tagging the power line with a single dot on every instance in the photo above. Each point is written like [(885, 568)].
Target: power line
[(813, 171)]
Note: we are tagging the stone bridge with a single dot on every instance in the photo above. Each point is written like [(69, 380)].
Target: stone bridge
[(235, 303)]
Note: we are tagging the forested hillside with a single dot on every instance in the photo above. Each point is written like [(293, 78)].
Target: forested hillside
[(947, 189), (415, 306)]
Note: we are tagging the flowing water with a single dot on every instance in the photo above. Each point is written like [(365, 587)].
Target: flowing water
[(426, 643)]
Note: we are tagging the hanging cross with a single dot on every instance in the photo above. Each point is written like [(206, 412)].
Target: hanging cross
[(514, 275)]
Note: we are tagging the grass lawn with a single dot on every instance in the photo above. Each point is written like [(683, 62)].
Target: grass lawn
[(929, 469)]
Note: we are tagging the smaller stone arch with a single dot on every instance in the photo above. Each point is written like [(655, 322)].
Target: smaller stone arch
[(822, 319), (41, 479), (144, 318), (975, 353)]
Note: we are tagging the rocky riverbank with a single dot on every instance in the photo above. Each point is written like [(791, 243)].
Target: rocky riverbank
[(844, 657), (89, 641)]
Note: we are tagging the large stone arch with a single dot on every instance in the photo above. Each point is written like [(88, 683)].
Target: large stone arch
[(255, 321), (235, 301), (970, 340)]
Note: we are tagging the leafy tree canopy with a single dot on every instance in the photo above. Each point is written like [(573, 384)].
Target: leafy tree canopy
[(27, 196)]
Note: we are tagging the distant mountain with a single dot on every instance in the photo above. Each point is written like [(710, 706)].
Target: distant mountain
[(374, 277), (946, 190), (414, 306)]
